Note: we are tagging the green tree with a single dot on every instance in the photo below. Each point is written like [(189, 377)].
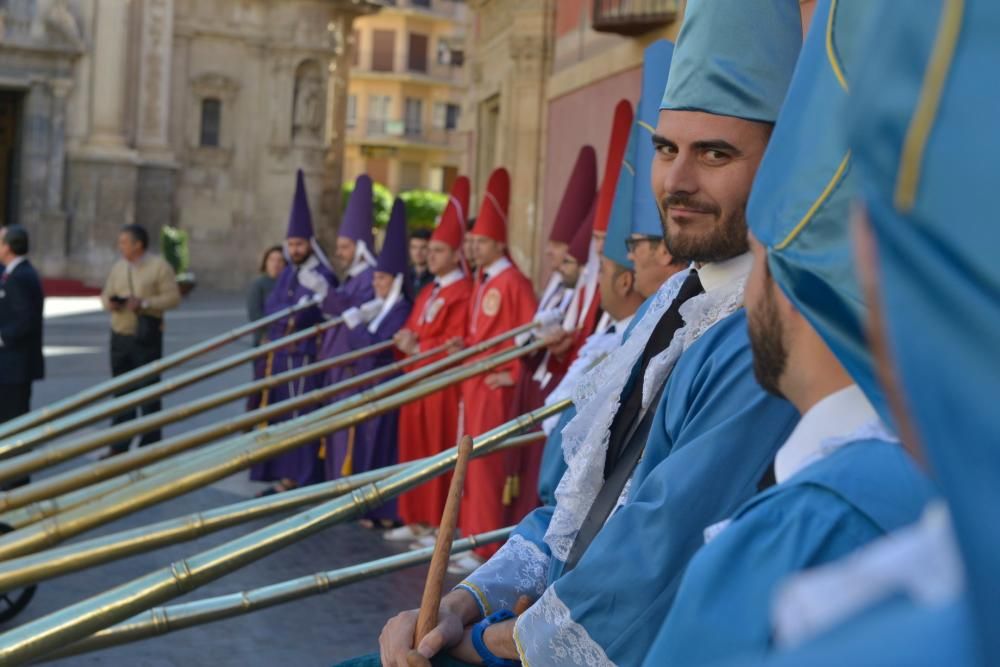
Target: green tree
[(423, 208)]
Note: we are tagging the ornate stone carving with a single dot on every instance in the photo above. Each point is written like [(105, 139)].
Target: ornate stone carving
[(62, 24), (310, 102)]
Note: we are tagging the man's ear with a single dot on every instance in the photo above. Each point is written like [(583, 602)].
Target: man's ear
[(625, 283)]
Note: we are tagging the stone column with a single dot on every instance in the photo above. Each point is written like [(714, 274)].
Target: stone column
[(154, 75), (61, 89), (110, 75)]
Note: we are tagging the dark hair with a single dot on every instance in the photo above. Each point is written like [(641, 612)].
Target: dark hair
[(423, 234), (267, 253), (470, 224), (16, 237), (138, 233)]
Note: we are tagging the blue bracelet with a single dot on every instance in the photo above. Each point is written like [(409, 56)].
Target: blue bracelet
[(484, 652)]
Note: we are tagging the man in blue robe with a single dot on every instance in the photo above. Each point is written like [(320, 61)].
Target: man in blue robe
[(919, 105), (307, 276), (633, 233), (372, 444), (843, 480), (680, 391)]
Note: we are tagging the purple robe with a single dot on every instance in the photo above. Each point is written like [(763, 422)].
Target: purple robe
[(351, 293), (375, 439), (300, 464)]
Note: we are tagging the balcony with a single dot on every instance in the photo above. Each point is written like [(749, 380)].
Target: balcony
[(395, 132), (433, 73), (633, 17), (450, 9)]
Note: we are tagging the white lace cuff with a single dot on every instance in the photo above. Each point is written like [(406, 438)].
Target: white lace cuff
[(518, 568), (547, 635)]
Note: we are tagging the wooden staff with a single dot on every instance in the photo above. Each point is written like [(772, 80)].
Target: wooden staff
[(427, 618)]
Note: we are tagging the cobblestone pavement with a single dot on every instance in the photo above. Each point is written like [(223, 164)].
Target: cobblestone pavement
[(317, 631)]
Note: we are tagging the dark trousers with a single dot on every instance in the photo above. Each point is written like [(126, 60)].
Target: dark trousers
[(127, 354), (15, 400)]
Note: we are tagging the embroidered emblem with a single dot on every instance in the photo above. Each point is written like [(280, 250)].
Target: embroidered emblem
[(433, 308), (491, 302)]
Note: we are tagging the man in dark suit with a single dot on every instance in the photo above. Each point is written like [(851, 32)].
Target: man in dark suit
[(21, 298)]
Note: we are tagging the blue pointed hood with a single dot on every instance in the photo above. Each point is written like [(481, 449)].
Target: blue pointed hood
[(735, 57), (923, 128), (800, 205)]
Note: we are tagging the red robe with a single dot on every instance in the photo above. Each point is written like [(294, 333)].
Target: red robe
[(431, 424), (506, 300), (524, 463)]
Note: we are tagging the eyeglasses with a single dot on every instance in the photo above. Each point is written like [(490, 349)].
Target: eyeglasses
[(633, 242)]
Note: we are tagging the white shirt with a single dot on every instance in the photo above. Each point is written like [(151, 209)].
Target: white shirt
[(719, 274), (449, 279), (839, 414)]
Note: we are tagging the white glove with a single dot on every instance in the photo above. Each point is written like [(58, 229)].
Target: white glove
[(304, 299), (371, 309), (549, 321), (352, 317)]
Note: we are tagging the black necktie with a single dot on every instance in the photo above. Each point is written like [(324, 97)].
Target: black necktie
[(631, 403), (630, 428)]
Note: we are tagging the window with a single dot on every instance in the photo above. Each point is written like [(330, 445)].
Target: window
[(421, 3), (418, 52), (414, 116), (443, 53), (378, 113), (440, 115), (355, 48), (352, 111), (383, 50), (451, 116), (211, 121)]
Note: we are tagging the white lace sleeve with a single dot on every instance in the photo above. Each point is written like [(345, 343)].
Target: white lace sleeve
[(546, 634), (518, 568)]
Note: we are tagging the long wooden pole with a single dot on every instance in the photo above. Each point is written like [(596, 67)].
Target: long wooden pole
[(427, 617)]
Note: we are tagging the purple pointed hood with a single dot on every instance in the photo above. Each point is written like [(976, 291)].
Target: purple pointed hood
[(300, 225), (357, 222), (392, 259)]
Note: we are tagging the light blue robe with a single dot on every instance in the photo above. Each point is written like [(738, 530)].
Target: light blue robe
[(895, 632), (629, 574), (853, 496)]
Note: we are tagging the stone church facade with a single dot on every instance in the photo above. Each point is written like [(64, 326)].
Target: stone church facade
[(190, 113)]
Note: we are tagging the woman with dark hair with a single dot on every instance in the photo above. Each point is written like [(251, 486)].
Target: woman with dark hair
[(271, 266)]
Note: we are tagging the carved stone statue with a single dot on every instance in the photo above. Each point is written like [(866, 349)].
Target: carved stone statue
[(310, 103), (59, 21)]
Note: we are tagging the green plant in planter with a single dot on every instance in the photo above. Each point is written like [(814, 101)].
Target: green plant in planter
[(176, 250)]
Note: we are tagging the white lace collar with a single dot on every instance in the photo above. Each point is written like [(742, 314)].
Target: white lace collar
[(839, 414), (598, 394)]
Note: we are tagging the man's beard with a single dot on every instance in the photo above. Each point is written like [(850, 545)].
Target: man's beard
[(727, 239), (769, 354)]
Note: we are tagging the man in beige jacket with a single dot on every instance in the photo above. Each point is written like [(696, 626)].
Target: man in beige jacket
[(140, 288)]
